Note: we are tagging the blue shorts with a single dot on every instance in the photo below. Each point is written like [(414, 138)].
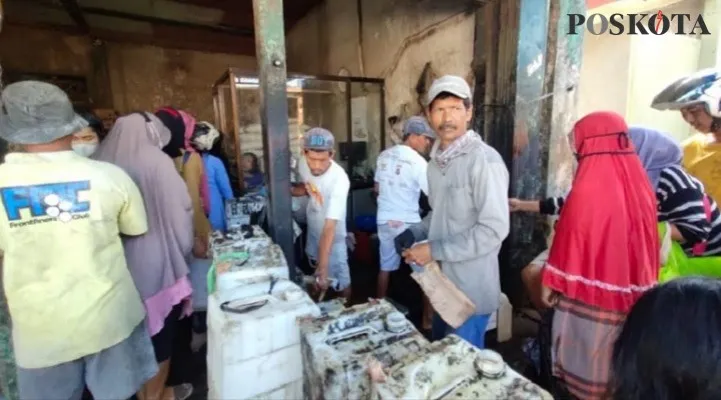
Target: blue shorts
[(472, 331)]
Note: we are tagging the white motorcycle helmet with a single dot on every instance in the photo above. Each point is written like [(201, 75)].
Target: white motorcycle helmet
[(204, 136), (702, 87)]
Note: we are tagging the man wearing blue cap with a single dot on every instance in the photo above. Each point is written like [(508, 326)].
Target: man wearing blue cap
[(399, 180), (327, 185)]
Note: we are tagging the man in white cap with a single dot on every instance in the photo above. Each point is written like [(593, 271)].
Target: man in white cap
[(77, 318), (327, 185), (468, 192), (399, 180)]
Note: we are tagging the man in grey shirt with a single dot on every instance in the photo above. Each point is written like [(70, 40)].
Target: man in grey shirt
[(468, 192)]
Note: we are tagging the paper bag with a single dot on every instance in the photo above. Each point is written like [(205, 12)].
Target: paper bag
[(448, 301)]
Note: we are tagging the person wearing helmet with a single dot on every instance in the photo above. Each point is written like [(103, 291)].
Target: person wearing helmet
[(204, 137), (698, 98)]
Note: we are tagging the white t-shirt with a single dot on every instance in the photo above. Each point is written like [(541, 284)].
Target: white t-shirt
[(333, 186), (401, 176)]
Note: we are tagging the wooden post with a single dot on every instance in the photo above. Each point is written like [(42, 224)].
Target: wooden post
[(518, 45), (101, 95)]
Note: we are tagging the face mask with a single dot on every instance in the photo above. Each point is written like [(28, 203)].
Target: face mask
[(85, 149)]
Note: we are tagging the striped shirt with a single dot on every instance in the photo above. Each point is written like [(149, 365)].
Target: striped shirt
[(680, 202)]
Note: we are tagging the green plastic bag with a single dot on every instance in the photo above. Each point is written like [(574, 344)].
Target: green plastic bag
[(679, 264), (234, 257)]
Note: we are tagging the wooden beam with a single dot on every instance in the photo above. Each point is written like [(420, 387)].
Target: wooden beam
[(201, 40), (240, 12), (164, 37), (168, 22), (73, 9)]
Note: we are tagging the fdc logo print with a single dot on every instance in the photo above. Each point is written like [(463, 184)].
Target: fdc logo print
[(45, 203)]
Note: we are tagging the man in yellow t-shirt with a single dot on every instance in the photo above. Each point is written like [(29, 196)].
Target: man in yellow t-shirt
[(77, 318)]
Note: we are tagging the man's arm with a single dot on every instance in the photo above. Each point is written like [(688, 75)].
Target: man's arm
[(298, 190), (421, 231), (325, 244), (222, 179), (490, 198)]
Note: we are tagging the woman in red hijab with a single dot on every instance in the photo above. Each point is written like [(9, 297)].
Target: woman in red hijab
[(604, 255)]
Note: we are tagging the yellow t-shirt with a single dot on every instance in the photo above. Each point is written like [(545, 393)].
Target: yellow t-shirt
[(702, 159), (69, 290)]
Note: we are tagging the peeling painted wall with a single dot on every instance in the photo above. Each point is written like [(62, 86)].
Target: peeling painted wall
[(395, 41), (141, 77)]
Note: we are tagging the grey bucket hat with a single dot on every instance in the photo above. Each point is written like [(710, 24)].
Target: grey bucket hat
[(36, 113)]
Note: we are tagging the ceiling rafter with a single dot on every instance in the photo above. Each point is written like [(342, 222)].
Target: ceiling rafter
[(162, 21), (73, 9), (105, 20)]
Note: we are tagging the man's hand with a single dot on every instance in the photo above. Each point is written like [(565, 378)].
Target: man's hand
[(515, 205), (298, 190), (321, 278), (200, 247), (520, 140), (419, 254), (676, 234), (531, 277), (549, 297), (314, 193)]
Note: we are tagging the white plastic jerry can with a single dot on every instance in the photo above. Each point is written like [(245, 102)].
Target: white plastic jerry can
[(338, 347), (454, 369), (254, 341)]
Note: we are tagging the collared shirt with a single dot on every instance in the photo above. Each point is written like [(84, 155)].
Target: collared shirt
[(69, 290)]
